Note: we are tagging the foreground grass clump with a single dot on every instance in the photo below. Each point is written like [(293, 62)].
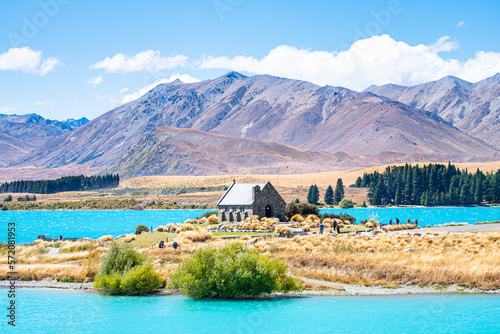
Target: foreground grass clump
[(123, 271), (231, 272)]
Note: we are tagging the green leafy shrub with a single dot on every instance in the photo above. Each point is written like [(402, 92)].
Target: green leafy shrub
[(125, 271), (140, 228), (231, 272), (346, 203), (302, 209)]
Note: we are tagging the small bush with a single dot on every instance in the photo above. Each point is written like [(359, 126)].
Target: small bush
[(231, 272), (303, 209), (105, 238), (346, 203), (195, 236), (213, 219), (306, 228), (284, 230), (297, 218), (125, 271), (140, 228)]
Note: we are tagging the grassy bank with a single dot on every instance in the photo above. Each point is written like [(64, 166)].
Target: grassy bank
[(468, 259)]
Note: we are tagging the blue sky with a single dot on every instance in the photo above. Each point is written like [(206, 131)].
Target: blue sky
[(73, 58)]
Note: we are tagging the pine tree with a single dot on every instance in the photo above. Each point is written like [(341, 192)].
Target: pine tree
[(313, 195), (358, 182), (329, 195), (339, 191), (376, 197), (397, 198)]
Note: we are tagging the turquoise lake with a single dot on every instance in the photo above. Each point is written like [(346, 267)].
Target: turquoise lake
[(55, 311), (95, 223)]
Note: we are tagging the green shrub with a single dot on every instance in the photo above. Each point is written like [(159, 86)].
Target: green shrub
[(140, 228), (140, 280), (346, 203), (231, 272), (125, 271), (302, 209)]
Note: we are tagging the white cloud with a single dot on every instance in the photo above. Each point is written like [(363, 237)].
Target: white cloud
[(27, 60), (375, 60), (461, 24), (7, 109), (45, 104), (100, 97), (123, 90), (149, 60), (133, 96), (94, 81)]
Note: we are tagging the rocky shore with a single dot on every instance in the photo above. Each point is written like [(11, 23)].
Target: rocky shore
[(336, 289)]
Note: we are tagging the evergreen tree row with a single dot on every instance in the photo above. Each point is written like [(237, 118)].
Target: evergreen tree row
[(66, 183), (330, 198), (433, 184)]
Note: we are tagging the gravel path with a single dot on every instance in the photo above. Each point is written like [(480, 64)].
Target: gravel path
[(468, 228), (53, 250)]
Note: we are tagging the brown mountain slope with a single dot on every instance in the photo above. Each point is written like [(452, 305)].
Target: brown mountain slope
[(173, 151), (473, 108)]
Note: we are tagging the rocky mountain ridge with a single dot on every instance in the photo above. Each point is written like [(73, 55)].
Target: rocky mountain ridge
[(266, 108)]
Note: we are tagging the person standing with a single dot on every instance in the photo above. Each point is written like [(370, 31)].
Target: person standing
[(321, 227), (397, 221), (390, 221)]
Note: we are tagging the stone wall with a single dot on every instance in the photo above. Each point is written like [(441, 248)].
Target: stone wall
[(268, 196), (261, 199)]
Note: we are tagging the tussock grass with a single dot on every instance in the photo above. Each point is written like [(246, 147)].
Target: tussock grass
[(130, 238), (466, 259), (400, 227), (198, 235), (105, 238)]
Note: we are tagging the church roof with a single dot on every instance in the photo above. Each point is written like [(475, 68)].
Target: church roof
[(239, 194)]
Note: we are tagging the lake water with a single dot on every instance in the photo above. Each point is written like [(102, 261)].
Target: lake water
[(55, 311), (93, 224)]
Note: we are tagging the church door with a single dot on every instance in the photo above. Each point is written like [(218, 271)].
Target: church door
[(269, 211)]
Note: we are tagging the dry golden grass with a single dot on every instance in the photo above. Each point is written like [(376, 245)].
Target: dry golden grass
[(198, 235), (105, 238), (400, 227), (130, 238), (213, 219), (466, 259)]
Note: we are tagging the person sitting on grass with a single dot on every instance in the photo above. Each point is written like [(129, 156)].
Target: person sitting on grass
[(176, 245), (161, 245)]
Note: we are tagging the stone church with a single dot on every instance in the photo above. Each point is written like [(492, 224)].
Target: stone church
[(244, 200)]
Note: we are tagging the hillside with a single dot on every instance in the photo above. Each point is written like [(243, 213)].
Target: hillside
[(174, 151), (473, 108)]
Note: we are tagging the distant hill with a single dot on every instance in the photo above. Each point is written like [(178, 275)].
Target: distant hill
[(174, 151), (21, 134), (473, 108), (271, 109)]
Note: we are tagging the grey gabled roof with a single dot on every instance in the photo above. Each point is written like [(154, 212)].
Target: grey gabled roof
[(239, 194)]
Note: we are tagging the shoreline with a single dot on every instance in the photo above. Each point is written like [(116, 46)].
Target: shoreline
[(338, 289)]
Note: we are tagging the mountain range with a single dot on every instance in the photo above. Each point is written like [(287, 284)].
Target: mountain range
[(21, 134), (474, 108), (266, 124)]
